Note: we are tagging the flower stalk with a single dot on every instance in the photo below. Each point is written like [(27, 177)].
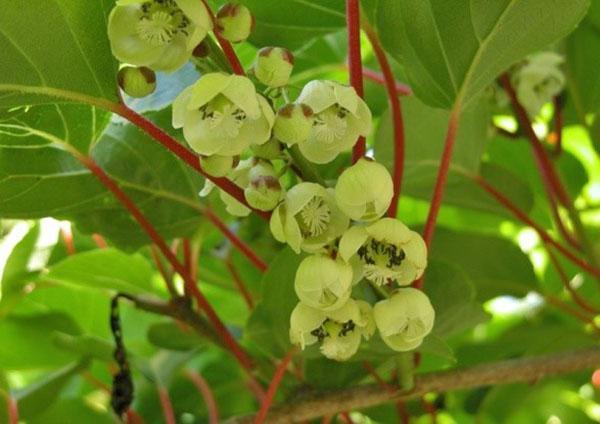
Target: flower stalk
[(355, 64)]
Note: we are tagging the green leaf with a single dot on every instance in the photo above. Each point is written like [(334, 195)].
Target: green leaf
[(40, 395), (495, 265), (170, 335), (295, 23), (452, 50), (77, 410), (27, 341), (68, 51), (425, 131), (16, 274), (85, 346), (108, 269), (269, 325), (453, 297), (324, 373)]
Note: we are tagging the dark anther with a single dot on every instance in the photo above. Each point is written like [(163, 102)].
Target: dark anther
[(347, 327)]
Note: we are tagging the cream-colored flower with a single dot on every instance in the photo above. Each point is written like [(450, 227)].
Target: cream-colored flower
[(387, 250), (222, 114), (273, 66), (364, 191), (404, 319), (339, 332), (341, 116), (308, 218), (241, 177), (158, 34), (323, 283), (539, 80)]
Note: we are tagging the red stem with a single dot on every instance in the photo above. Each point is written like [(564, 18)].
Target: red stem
[(99, 240), (206, 393), (564, 278), (430, 409), (226, 46), (523, 217), (167, 407), (133, 417), (558, 124), (67, 236), (355, 64), (203, 304), (268, 400), (378, 78), (440, 184), (183, 153), (236, 241), (345, 417), (12, 409), (400, 407), (239, 283), (396, 110)]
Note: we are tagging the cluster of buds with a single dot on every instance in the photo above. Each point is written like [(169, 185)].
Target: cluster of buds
[(243, 128)]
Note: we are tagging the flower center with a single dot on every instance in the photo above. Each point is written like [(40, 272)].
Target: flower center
[(414, 329), (330, 125), (382, 261), (223, 116), (314, 217), (161, 20), (329, 328)]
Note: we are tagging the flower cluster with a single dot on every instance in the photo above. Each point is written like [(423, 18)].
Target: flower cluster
[(246, 129)]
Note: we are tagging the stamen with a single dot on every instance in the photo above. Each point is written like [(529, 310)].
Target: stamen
[(382, 261), (161, 20), (315, 216), (330, 125)]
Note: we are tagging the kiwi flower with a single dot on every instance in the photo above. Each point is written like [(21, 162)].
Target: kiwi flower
[(539, 80), (222, 114), (158, 34), (387, 251), (404, 319)]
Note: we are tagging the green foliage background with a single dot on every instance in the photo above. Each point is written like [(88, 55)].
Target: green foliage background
[(57, 75)]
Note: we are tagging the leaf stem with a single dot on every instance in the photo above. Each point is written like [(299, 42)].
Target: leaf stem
[(239, 283), (206, 393), (272, 390), (355, 64), (166, 405), (379, 78), (191, 286), (396, 110)]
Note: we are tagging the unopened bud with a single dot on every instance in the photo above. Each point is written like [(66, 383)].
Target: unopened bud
[(264, 190), (137, 82), (273, 66), (293, 123), (234, 22)]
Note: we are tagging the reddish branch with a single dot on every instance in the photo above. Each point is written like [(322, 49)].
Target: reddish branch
[(67, 237), (12, 409), (182, 153), (99, 240), (236, 241), (270, 396), (396, 110), (555, 137), (355, 64), (377, 77), (167, 407), (239, 283), (166, 275), (226, 46), (523, 217), (206, 393), (190, 284)]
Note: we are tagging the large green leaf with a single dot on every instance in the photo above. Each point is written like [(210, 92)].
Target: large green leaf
[(295, 22), (16, 273), (425, 129), (105, 269), (453, 49), (54, 44)]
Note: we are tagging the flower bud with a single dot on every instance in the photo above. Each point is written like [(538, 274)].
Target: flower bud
[(234, 22), (293, 123), (137, 82), (387, 250), (404, 319), (239, 176), (264, 190), (217, 165), (273, 66), (323, 283), (270, 150), (364, 191)]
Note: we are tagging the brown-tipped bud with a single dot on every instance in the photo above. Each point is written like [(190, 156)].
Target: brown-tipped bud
[(137, 82), (234, 22), (293, 123), (273, 66), (264, 190)]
